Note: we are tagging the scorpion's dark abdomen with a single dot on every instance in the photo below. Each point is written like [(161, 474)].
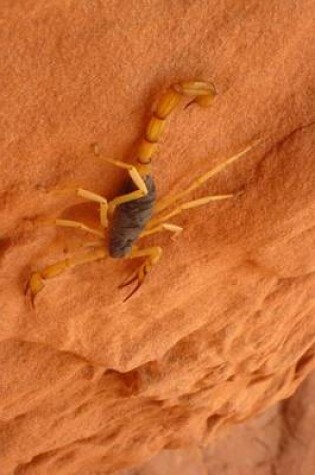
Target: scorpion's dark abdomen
[(130, 219)]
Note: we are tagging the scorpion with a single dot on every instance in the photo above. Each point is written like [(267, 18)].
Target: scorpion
[(136, 213)]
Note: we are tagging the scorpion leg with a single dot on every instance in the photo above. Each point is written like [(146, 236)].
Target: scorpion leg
[(108, 208), (90, 196), (152, 255), (135, 173), (159, 220), (173, 228), (98, 199), (38, 278), (158, 223), (170, 200), (67, 223)]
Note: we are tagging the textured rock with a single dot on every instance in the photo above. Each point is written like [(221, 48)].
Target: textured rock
[(224, 327), (280, 441)]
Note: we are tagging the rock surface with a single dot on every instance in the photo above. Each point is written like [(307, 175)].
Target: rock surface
[(279, 442), (224, 327)]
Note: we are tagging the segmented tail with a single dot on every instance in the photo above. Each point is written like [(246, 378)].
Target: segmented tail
[(202, 93)]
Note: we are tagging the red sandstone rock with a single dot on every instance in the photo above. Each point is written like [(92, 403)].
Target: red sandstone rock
[(280, 441), (224, 327)]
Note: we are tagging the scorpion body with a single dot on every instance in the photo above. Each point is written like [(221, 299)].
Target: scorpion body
[(130, 219), (135, 214)]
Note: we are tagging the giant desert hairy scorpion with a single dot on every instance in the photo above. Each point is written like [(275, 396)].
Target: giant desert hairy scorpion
[(135, 214)]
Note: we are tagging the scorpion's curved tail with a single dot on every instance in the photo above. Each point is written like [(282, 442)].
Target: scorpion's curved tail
[(201, 93)]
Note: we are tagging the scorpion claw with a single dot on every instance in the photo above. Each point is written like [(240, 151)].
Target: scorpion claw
[(128, 281), (138, 277), (133, 291), (34, 286), (131, 280)]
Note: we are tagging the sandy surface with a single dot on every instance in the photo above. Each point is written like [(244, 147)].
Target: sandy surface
[(225, 326)]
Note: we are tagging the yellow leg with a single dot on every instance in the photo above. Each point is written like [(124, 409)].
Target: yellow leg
[(135, 175), (152, 255), (173, 228), (77, 225), (155, 222), (38, 278), (90, 196), (107, 209), (201, 93), (168, 201)]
